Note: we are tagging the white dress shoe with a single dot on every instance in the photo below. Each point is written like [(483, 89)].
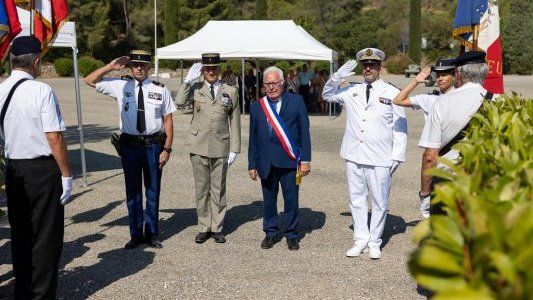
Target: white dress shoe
[(357, 249), (374, 253)]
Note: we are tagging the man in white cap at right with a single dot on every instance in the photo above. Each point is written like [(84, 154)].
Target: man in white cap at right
[(373, 146)]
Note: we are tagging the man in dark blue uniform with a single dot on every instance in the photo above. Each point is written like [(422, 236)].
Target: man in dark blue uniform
[(146, 109)]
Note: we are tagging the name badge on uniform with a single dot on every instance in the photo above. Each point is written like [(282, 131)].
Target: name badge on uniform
[(386, 101), (126, 106), (155, 96), (127, 94)]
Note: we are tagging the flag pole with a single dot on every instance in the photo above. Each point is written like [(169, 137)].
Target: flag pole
[(32, 18), (475, 38)]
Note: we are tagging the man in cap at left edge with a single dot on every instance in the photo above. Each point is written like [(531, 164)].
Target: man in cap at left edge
[(38, 175), (145, 114)]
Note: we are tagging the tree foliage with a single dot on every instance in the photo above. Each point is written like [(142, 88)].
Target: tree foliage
[(516, 38), (415, 36), (482, 248)]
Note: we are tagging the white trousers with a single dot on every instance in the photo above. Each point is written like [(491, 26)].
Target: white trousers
[(362, 181)]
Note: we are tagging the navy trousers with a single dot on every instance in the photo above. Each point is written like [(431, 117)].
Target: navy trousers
[(270, 185), (140, 162)]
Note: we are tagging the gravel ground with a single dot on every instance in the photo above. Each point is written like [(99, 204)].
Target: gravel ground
[(94, 264)]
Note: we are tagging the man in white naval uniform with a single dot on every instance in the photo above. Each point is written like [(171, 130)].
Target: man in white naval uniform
[(450, 116), (373, 146)]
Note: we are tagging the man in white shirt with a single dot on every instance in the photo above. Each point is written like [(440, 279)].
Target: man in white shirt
[(38, 175), (450, 116), (373, 146)]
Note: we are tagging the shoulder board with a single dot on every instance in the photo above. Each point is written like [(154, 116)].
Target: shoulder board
[(394, 85), (354, 82), (126, 77), (434, 92), (158, 83)]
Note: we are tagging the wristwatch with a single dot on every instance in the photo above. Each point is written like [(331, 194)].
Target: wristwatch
[(169, 150), (422, 195)]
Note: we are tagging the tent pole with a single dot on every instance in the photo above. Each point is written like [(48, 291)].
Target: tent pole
[(330, 73), (78, 106), (242, 88), (181, 68), (256, 80)]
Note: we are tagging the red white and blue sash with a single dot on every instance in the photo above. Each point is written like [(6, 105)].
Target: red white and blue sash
[(278, 126)]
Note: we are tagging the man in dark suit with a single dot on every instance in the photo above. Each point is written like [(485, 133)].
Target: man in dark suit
[(279, 153)]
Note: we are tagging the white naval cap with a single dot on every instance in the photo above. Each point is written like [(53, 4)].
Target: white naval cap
[(370, 54)]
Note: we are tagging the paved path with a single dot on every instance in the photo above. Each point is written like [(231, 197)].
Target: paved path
[(94, 264)]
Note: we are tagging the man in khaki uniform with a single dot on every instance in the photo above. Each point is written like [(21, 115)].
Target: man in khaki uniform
[(214, 139)]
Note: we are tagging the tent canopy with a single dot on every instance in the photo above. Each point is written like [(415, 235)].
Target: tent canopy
[(249, 39), (66, 37)]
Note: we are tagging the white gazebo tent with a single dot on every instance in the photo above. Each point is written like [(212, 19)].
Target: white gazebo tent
[(66, 37), (271, 40)]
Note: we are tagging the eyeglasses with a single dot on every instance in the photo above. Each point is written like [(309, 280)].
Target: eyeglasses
[(137, 64), (272, 84), (370, 65)]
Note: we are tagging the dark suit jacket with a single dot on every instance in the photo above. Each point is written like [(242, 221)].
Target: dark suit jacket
[(264, 149)]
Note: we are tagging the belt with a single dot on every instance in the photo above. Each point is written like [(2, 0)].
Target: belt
[(142, 140)]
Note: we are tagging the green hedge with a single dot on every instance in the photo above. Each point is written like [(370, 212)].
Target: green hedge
[(88, 64), (64, 67), (397, 64), (482, 248)]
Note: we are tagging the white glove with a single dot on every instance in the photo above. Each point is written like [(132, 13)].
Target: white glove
[(425, 204), (231, 158), (66, 182), (194, 73), (394, 166), (345, 70)]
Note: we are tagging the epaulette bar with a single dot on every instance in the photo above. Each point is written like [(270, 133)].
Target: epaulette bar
[(354, 82), (434, 92), (126, 77), (158, 83), (394, 86)]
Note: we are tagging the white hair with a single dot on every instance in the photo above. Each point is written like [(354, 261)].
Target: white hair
[(475, 73), (274, 69)]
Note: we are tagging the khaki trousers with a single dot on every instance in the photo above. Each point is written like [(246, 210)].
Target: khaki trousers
[(210, 183)]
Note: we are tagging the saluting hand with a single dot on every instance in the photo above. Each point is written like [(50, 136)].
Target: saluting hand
[(119, 63), (345, 70), (423, 75), (194, 73)]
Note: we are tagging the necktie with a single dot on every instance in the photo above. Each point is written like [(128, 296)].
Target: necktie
[(368, 87), (212, 88), (141, 121)]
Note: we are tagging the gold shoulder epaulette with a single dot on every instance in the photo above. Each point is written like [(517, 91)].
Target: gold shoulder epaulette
[(158, 83)]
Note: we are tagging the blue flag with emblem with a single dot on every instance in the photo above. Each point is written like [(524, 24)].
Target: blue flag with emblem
[(467, 14)]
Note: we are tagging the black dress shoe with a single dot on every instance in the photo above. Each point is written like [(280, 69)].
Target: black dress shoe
[(219, 237), (293, 244), (202, 237), (154, 242), (133, 243), (268, 242)]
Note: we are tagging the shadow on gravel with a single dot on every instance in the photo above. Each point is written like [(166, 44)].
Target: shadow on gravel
[(91, 133), (96, 214), (82, 282), (94, 161), (242, 214), (393, 225)]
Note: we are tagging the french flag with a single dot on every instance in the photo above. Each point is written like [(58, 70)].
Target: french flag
[(485, 15)]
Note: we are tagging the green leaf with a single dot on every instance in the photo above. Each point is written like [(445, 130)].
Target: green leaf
[(439, 260), (466, 293), (504, 265), (421, 231)]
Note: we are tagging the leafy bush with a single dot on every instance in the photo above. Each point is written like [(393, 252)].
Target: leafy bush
[(63, 67), (88, 64), (397, 64), (482, 248)]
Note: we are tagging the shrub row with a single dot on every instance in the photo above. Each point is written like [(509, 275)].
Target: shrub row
[(65, 66)]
